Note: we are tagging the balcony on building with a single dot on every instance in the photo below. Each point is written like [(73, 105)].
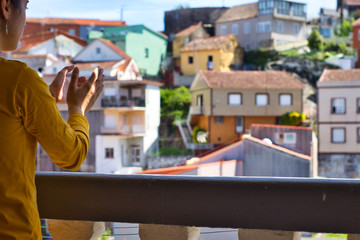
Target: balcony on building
[(125, 96)]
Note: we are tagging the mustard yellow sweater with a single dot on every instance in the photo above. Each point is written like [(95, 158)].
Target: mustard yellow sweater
[(28, 114)]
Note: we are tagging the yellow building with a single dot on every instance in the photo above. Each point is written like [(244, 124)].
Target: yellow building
[(184, 37), (218, 53)]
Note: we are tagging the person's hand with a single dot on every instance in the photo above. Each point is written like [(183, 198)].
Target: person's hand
[(82, 93), (58, 87)]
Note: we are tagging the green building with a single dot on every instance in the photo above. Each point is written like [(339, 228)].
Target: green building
[(146, 46)]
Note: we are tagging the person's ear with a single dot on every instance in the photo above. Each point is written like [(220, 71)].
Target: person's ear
[(5, 8)]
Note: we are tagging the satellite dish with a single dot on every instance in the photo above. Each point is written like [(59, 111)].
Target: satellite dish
[(268, 141)]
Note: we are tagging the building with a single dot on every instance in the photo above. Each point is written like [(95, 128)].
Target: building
[(177, 20), (75, 27), (329, 21), (225, 104), (339, 123), (219, 53), (270, 24), (349, 6), (184, 37), (146, 46), (125, 119), (356, 39)]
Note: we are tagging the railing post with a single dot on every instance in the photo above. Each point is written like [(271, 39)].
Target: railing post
[(353, 237), (79, 230), (163, 232), (254, 234)]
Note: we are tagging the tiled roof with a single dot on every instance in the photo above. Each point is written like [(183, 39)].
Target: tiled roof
[(280, 126), (303, 156), (114, 48), (340, 75), (189, 30), (87, 22), (92, 65), (210, 43), (353, 2), (250, 80), (239, 12), (30, 40)]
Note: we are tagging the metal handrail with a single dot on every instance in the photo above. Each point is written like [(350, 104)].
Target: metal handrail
[(289, 204)]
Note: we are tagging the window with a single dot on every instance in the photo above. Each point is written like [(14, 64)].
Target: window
[(262, 99), (264, 27), (296, 28), (338, 135), (223, 30), (72, 32), (286, 138), (190, 60), (358, 105), (98, 50), (239, 128), (186, 41), (210, 63), (219, 119), (146, 52), (234, 99), (285, 100), (109, 153), (358, 135), (246, 28), (199, 100), (235, 29), (110, 121), (338, 106), (280, 26), (135, 154)]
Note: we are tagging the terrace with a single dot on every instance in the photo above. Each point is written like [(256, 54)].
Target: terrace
[(278, 204)]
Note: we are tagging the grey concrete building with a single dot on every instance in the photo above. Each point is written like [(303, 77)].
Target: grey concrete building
[(274, 24)]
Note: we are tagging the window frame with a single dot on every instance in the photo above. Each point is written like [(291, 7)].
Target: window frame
[(217, 118), (358, 105), (332, 106), (235, 93), (291, 99), (267, 96), (247, 28), (190, 60), (332, 135), (234, 27), (358, 134), (238, 128), (109, 153)]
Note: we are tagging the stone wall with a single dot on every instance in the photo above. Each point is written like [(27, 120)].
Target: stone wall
[(166, 161), (339, 165)]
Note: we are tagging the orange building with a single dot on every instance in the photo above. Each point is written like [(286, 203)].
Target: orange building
[(225, 104)]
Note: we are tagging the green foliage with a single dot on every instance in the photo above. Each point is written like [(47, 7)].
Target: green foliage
[(172, 151), (107, 233), (344, 29), (175, 103), (196, 131), (260, 57), (293, 118), (332, 46), (182, 6), (315, 40)]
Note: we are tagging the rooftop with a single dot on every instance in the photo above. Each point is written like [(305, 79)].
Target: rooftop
[(189, 30), (239, 12), (340, 75), (250, 80), (89, 22), (352, 2), (210, 43)]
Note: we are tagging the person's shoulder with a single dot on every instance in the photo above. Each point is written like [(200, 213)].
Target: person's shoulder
[(12, 65)]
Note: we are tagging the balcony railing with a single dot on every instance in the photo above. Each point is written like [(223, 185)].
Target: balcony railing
[(119, 102), (125, 129), (288, 204)]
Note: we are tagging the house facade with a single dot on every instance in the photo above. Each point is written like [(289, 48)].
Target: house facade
[(349, 6), (329, 21), (125, 119), (225, 104), (339, 123), (220, 53), (146, 46), (356, 40), (273, 24)]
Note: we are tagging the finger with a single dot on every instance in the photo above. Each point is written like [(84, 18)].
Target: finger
[(67, 69), (93, 77), (81, 81), (74, 78)]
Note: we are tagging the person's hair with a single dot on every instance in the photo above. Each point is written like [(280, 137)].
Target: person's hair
[(16, 3)]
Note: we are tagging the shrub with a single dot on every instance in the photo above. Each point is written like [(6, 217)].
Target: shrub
[(197, 131), (315, 40), (292, 118)]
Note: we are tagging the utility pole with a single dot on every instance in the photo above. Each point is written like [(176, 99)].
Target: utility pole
[(122, 13), (195, 58), (341, 10)]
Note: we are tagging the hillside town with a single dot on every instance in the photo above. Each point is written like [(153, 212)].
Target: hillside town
[(253, 90)]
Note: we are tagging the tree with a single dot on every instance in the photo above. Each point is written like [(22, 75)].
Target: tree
[(315, 40), (175, 103), (344, 29), (182, 6)]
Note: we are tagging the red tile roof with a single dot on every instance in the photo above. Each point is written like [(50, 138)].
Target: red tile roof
[(189, 30), (303, 156), (30, 40), (251, 80), (73, 21), (209, 43), (239, 12), (353, 2), (340, 75)]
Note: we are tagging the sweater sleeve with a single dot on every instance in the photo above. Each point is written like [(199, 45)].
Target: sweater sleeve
[(66, 143)]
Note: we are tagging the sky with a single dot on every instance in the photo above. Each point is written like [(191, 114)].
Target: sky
[(147, 12)]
